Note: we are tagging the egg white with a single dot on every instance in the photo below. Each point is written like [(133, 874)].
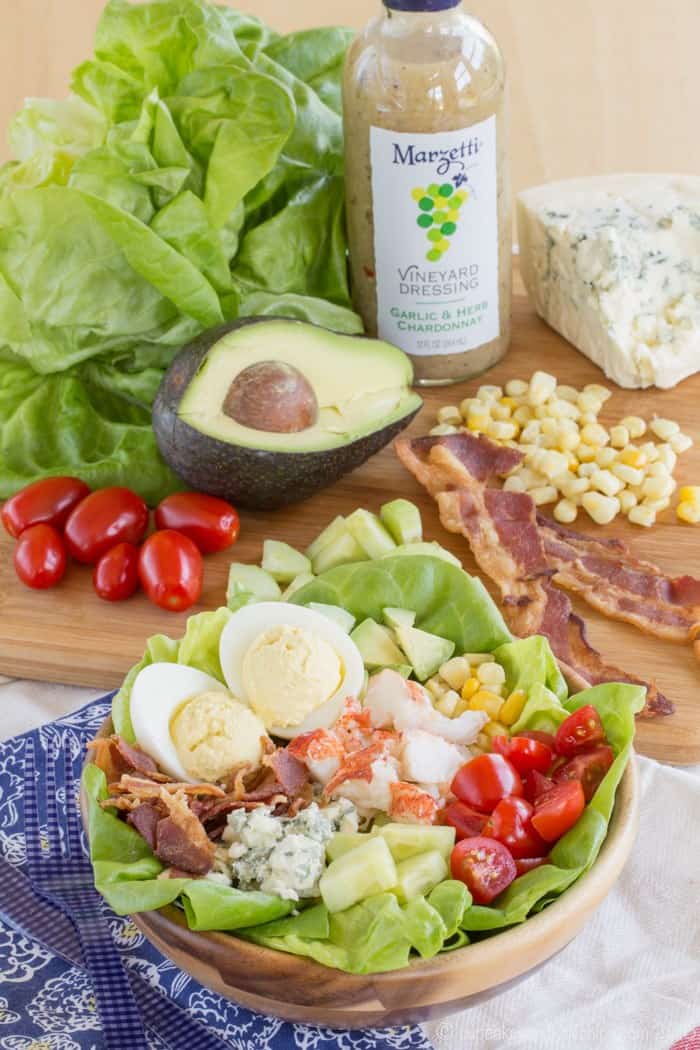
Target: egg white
[(249, 622), (158, 691)]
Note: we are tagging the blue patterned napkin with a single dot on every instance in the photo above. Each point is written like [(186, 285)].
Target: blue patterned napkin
[(46, 1003)]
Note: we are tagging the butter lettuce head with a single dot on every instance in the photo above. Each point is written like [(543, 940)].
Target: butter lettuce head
[(193, 176)]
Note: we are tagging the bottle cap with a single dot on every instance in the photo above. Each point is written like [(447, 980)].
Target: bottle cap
[(420, 5)]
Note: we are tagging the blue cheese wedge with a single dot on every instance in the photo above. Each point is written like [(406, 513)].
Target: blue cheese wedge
[(613, 264)]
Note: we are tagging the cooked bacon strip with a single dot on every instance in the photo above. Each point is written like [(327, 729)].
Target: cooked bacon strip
[(291, 774), (114, 757), (146, 789), (502, 530), (145, 819), (181, 840)]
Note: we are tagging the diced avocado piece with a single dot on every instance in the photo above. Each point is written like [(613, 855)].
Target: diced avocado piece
[(432, 550), (376, 644), (402, 519), (420, 874), (398, 617), (369, 532), (336, 613), (283, 562), (297, 583), (361, 873), (250, 583), (425, 652), (343, 841), (408, 840), (331, 532), (340, 551), (405, 670)]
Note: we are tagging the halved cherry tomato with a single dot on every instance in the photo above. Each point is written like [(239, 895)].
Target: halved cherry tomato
[(544, 738), (524, 864), (45, 502), (170, 570), (465, 820), (511, 824), (535, 784), (103, 519), (485, 780), (40, 557), (524, 753), (589, 767), (116, 574), (211, 523), (581, 731), (484, 865), (558, 810)]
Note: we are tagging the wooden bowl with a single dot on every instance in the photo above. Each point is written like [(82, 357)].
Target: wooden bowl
[(299, 989)]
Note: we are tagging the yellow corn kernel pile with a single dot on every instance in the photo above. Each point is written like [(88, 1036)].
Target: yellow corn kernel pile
[(476, 682), (688, 508), (571, 459)]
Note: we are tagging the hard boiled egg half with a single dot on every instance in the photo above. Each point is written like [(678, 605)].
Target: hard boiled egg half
[(191, 726), (293, 666)]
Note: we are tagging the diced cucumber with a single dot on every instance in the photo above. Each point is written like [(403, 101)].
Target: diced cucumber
[(297, 583), (361, 873), (432, 550), (408, 840), (398, 617), (339, 551), (403, 520), (405, 670), (283, 562), (343, 841), (425, 652), (339, 615), (250, 583), (332, 532), (376, 644), (369, 532), (420, 874)]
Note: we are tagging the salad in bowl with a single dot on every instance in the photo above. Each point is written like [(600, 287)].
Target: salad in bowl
[(361, 769)]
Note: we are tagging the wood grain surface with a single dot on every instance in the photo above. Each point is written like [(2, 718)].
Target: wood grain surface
[(69, 635), (594, 86)]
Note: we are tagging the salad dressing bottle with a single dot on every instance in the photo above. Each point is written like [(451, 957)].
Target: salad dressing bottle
[(427, 194)]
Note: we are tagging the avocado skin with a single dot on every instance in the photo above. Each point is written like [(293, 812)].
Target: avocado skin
[(258, 479)]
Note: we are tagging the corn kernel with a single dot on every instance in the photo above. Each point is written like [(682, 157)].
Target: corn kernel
[(513, 707), (543, 494), (436, 687), (489, 393), (565, 511), (481, 744), (500, 411), (664, 429), (689, 494), (575, 487), (657, 505), (442, 429), (568, 441), (530, 434), (573, 463), (636, 427), (642, 515), (588, 418), (594, 434), (667, 456), (602, 509), (658, 470), (688, 511), (476, 659), (542, 386), (522, 415), (656, 487), (567, 393), (586, 453), (596, 390), (492, 729), (516, 388), (510, 401), (477, 424), (514, 484), (605, 457), (589, 404), (627, 500), (501, 431), (491, 673), (630, 475), (531, 478), (551, 463), (619, 436), (461, 707), (486, 701), (606, 482), (449, 414), (471, 686), (456, 671), (650, 450), (632, 457), (448, 703), (680, 443)]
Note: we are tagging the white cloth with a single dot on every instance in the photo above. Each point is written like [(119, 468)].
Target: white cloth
[(632, 976)]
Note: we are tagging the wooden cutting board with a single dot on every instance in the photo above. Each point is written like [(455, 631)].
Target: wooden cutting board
[(69, 635)]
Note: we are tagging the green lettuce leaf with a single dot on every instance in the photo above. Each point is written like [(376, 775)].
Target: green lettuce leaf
[(530, 661)]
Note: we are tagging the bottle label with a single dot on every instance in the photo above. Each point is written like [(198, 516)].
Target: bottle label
[(435, 204)]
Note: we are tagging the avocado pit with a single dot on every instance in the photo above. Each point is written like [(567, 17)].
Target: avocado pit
[(272, 396)]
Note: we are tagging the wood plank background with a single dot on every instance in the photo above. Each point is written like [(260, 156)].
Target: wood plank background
[(596, 85)]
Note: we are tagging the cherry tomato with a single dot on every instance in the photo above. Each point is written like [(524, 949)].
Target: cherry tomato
[(524, 753), (525, 864), (544, 738), (581, 731), (465, 820), (40, 557), (103, 519), (116, 574), (558, 810), (485, 780), (212, 524), (534, 785), (170, 570), (484, 865), (589, 767), (45, 502), (510, 823)]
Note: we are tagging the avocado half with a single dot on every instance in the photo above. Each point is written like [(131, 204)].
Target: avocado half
[(266, 411)]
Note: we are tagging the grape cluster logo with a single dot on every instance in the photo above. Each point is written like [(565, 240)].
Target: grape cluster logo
[(438, 215)]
